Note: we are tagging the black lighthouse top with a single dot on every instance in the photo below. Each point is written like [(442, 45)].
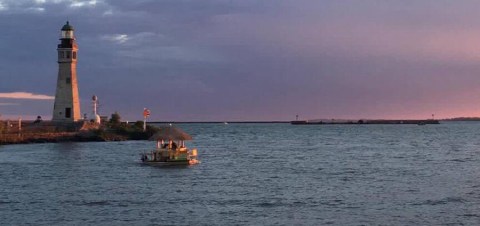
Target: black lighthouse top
[(67, 27), (67, 38)]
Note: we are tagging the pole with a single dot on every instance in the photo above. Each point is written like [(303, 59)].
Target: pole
[(95, 107), (146, 113), (144, 123), (19, 124)]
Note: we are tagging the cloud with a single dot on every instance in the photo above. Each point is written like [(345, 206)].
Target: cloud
[(116, 38), (25, 95), (9, 104), (15, 6), (156, 48), (36, 9), (3, 6), (134, 39), (83, 3), (108, 13)]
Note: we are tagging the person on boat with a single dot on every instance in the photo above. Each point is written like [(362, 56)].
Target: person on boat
[(154, 156), (164, 145), (172, 145)]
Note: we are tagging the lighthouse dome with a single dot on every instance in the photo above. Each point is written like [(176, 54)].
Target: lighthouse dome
[(67, 27), (97, 119)]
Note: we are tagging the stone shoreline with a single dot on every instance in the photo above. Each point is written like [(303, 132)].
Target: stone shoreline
[(83, 132), (28, 138)]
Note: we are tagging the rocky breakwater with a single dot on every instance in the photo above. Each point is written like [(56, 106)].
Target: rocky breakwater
[(52, 132)]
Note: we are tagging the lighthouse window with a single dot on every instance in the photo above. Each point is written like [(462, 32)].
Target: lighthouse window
[(74, 55), (68, 55), (69, 80)]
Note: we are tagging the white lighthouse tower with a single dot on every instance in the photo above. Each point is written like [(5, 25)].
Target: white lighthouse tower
[(67, 104)]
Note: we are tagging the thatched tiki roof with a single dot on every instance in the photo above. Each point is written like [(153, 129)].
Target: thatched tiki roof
[(171, 133)]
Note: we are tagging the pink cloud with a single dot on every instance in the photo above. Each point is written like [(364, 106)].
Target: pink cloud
[(25, 95)]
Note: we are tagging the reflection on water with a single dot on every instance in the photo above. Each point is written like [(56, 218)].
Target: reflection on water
[(255, 175)]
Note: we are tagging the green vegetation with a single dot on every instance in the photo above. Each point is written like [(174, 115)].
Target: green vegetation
[(113, 130), (115, 119), (116, 130)]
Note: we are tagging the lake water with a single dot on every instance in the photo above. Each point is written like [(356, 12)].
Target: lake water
[(254, 174)]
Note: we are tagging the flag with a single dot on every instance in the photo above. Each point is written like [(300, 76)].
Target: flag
[(146, 112)]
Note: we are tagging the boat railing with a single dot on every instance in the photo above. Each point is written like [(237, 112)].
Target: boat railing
[(166, 153)]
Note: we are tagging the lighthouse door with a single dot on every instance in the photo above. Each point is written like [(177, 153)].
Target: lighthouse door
[(68, 112)]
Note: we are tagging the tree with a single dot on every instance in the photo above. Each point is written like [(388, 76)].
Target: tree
[(138, 124), (115, 119)]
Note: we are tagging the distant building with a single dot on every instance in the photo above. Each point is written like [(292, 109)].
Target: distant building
[(67, 104)]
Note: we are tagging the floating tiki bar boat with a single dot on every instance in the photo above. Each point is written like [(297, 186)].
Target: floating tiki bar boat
[(170, 149)]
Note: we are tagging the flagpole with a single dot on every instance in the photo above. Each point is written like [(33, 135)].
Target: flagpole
[(146, 113), (144, 124), (20, 125)]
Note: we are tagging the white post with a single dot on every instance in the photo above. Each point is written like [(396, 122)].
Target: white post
[(94, 107), (19, 124), (144, 123), (146, 113)]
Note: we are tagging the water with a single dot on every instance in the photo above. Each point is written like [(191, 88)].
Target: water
[(254, 174)]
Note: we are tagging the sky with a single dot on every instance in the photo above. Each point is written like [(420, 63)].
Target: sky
[(237, 60)]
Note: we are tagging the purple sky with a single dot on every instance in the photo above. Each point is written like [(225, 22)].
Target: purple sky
[(191, 60)]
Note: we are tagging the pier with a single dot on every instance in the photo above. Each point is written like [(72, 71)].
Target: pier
[(362, 122)]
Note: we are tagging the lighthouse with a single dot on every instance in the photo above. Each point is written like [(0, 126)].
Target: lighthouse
[(67, 104)]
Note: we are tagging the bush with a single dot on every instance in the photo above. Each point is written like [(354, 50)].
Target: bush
[(122, 131), (138, 124), (115, 119), (151, 130)]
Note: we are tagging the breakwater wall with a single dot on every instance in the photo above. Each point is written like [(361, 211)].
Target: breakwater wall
[(362, 122), (53, 132), (25, 138), (16, 132)]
